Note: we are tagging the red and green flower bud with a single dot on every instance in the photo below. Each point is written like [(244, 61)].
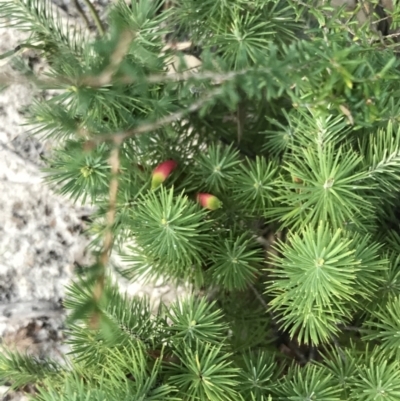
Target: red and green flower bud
[(209, 201), (161, 172)]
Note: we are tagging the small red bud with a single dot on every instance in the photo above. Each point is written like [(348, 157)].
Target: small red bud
[(209, 201), (161, 172)]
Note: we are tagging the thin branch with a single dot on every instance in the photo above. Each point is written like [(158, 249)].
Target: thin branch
[(141, 129), (95, 17), (217, 78), (339, 348), (106, 77), (104, 257), (392, 35), (80, 11), (350, 328), (262, 302), (313, 353), (302, 359), (259, 297)]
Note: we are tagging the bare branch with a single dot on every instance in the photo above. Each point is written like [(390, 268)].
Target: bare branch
[(141, 129), (217, 78), (104, 257), (95, 17), (81, 12), (106, 77)]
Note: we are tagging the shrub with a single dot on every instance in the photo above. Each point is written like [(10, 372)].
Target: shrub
[(276, 198)]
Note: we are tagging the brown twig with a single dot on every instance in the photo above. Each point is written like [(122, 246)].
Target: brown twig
[(80, 11), (95, 17), (339, 348), (217, 78), (114, 162), (312, 353), (350, 328), (106, 77), (302, 359), (141, 129), (262, 302)]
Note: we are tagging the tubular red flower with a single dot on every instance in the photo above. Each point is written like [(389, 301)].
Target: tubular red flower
[(161, 172), (209, 201)]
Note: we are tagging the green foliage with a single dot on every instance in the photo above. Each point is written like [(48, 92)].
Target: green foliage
[(235, 262), (39, 19), (385, 328), (291, 119), (26, 369), (195, 320), (205, 372), (322, 179), (314, 282), (255, 185), (216, 168), (259, 375), (83, 177), (309, 383), (170, 230)]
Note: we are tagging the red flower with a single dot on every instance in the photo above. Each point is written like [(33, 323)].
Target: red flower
[(161, 172), (209, 201)]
